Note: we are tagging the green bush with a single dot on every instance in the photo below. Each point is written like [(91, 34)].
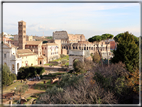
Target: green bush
[(63, 61), (69, 80), (62, 55), (26, 72), (54, 90), (7, 76)]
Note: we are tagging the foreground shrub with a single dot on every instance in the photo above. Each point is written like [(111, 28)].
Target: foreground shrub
[(114, 79), (133, 81), (82, 67), (81, 92), (68, 80)]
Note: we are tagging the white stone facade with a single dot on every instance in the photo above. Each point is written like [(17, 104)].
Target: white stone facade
[(10, 58), (51, 51)]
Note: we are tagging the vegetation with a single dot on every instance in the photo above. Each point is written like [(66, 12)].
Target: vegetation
[(26, 72), (136, 39), (21, 89), (127, 51), (80, 67), (7, 89), (45, 42), (76, 90), (115, 79), (104, 85), (49, 37), (99, 38), (7, 76), (96, 58)]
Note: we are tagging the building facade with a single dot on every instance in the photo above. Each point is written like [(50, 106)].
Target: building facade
[(68, 38), (50, 51), (10, 57), (29, 58)]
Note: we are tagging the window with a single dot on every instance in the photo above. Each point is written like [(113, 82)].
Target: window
[(12, 66), (4, 55)]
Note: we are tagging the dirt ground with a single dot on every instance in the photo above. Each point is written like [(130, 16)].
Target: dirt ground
[(28, 93)]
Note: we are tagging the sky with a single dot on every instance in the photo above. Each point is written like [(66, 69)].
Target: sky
[(89, 19)]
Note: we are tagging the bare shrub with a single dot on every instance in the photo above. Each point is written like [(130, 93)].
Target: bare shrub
[(114, 79), (80, 93), (96, 57), (83, 66)]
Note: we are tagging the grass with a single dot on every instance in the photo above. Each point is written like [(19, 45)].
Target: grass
[(12, 86), (66, 57), (41, 86)]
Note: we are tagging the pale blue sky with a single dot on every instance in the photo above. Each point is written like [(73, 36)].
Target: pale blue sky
[(76, 18)]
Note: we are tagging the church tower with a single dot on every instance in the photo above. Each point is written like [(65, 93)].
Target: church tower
[(22, 34)]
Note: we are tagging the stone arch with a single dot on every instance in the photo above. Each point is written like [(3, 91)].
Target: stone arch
[(73, 58)]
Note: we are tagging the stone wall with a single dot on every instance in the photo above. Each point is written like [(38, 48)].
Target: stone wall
[(64, 51), (60, 35)]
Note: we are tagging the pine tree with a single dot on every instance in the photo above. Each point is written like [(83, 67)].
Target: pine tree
[(127, 52)]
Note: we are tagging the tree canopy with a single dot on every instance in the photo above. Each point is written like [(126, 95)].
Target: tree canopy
[(127, 51), (136, 39), (99, 38)]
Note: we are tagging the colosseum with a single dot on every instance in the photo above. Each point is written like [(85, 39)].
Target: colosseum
[(78, 42)]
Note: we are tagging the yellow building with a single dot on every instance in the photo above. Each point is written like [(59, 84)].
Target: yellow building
[(29, 58)]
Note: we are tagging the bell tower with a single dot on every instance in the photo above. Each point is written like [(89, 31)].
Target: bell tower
[(22, 34)]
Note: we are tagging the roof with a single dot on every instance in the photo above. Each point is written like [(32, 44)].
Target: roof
[(25, 52), (10, 46), (7, 39), (33, 42), (22, 51), (49, 44)]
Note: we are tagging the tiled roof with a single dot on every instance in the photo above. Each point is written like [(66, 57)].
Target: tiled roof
[(33, 42), (22, 51), (25, 52)]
